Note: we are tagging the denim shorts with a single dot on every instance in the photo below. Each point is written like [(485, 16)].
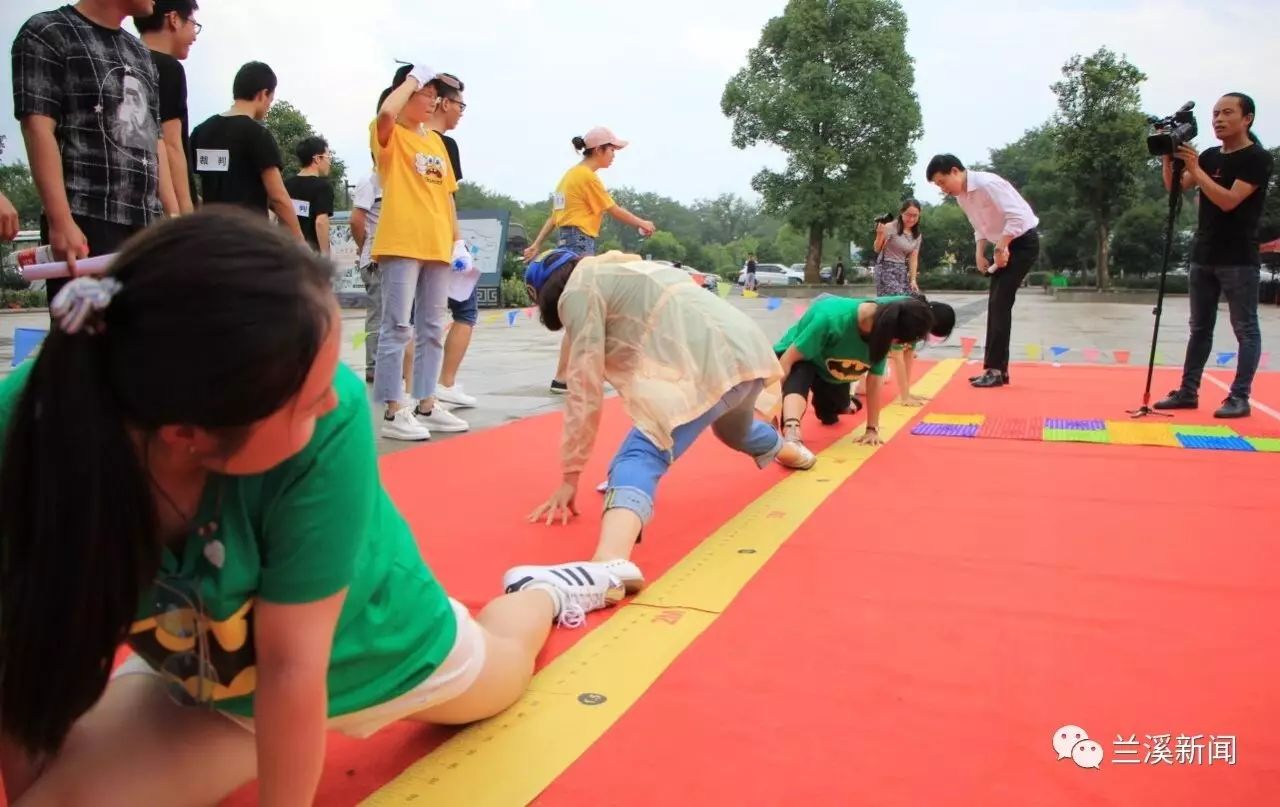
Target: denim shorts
[(574, 239), (467, 311)]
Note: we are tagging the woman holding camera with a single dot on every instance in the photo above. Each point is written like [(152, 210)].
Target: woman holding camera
[(898, 252)]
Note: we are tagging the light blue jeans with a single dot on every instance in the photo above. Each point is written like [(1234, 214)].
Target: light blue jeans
[(639, 464), (406, 281)]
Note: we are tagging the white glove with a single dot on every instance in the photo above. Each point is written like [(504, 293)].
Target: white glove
[(423, 74), (462, 261)]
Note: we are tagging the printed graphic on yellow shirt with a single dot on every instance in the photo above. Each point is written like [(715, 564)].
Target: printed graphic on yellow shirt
[(173, 642), (846, 369), (429, 166)]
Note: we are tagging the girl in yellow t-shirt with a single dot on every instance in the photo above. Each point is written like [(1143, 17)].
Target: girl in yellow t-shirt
[(578, 208), (416, 241)]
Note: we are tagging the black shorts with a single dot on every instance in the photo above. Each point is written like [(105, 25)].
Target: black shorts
[(104, 237), (830, 400)]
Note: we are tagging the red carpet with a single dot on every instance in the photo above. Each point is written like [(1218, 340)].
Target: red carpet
[(922, 636), (466, 499)]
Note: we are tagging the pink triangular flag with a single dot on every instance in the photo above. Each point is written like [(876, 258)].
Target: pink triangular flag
[(528, 312), (1091, 354), (966, 345), (1264, 360)]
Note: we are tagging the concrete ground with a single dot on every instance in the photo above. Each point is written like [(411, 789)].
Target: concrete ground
[(509, 368)]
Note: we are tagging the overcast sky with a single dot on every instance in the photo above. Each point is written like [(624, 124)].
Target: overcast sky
[(538, 73)]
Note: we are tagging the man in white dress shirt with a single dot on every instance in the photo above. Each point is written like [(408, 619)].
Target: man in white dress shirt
[(1001, 216)]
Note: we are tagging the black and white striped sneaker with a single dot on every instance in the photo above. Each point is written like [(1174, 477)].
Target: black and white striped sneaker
[(577, 588)]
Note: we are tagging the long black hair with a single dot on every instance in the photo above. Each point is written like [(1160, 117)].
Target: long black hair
[(1247, 107), (901, 320), (549, 295), (216, 325)]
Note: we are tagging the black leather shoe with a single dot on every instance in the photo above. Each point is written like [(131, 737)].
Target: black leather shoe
[(991, 378), (1233, 407), (1179, 399), (1007, 378)]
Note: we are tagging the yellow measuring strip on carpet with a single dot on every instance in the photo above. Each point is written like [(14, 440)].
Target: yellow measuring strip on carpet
[(511, 758)]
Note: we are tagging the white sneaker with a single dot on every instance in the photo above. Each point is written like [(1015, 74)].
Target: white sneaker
[(454, 396), (805, 459), (626, 573), (442, 420), (577, 588), (404, 426)]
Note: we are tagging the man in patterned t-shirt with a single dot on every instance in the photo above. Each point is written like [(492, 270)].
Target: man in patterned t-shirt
[(86, 95)]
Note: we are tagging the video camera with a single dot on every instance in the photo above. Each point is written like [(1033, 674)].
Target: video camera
[(1169, 133)]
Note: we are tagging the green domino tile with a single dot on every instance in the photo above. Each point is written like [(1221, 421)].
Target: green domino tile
[(1204, 431), (1076, 436), (1268, 444)]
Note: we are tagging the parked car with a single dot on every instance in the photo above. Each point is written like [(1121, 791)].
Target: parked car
[(771, 274), (710, 281), (796, 270)]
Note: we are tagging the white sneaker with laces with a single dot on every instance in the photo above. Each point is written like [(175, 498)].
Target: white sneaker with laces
[(804, 460), (626, 573), (404, 426), (577, 588), (442, 420), (454, 396)]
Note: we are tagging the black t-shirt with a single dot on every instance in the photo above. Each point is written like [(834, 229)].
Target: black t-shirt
[(229, 154), (455, 158), (173, 102), (1232, 238), (312, 197)]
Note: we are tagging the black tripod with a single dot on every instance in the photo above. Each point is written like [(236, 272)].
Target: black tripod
[(1175, 206)]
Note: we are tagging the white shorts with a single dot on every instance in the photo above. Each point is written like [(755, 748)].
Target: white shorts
[(454, 676)]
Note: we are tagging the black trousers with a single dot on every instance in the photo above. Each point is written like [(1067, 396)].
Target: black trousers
[(829, 400), (1023, 252), (104, 237)]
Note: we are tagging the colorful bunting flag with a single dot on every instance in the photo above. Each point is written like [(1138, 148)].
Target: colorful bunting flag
[(774, 304), (1091, 354), (1059, 351), (1033, 352), (966, 345), (511, 317), (723, 290), (1264, 360), (528, 312), (358, 339), (749, 294), (800, 309), (1224, 358), (1122, 356)]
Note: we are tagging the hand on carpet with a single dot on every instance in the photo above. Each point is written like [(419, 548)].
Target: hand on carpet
[(561, 505)]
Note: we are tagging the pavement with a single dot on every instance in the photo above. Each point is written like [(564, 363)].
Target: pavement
[(508, 368)]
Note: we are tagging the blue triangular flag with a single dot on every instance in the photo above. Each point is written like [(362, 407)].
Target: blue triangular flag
[(25, 341), (511, 317), (774, 303), (1058, 350), (1225, 358)]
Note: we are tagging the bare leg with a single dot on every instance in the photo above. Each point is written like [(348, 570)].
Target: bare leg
[(516, 627), (562, 368), (137, 746), (455, 347), (619, 529)]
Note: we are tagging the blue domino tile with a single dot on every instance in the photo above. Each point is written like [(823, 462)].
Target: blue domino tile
[(1216, 443), (947, 429), (1075, 425)]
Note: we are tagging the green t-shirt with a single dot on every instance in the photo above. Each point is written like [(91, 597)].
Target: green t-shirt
[(313, 525), (827, 335)]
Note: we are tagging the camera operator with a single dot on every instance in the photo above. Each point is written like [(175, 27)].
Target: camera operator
[(1232, 180)]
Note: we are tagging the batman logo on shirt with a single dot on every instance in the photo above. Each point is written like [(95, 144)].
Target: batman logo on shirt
[(846, 369)]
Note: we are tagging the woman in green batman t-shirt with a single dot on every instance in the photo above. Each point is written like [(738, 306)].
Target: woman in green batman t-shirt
[(840, 340), (188, 469)]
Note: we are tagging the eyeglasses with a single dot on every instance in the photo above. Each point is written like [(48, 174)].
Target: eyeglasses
[(179, 612), (461, 106)]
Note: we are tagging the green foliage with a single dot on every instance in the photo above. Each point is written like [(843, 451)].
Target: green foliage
[(1138, 240), (513, 294), (1098, 131), (19, 188), (22, 298), (830, 83), (663, 246), (288, 125)]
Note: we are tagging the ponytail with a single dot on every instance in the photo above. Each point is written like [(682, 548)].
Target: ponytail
[(216, 324), (901, 321), (579, 145), (78, 527), (1247, 107)]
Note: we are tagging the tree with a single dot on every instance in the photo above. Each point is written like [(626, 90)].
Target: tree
[(1138, 240), (1099, 131), (946, 236), (288, 125), (663, 246), (16, 184), (830, 83)]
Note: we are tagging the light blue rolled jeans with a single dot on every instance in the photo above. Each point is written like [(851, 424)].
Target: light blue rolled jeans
[(639, 464), (420, 289)]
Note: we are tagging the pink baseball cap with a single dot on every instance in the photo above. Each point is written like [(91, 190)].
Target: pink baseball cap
[(603, 136)]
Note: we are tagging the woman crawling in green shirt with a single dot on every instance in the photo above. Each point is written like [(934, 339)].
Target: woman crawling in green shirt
[(840, 340), (189, 470)]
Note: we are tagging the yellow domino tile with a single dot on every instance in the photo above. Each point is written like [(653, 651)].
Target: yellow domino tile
[(510, 758), (1142, 434)]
